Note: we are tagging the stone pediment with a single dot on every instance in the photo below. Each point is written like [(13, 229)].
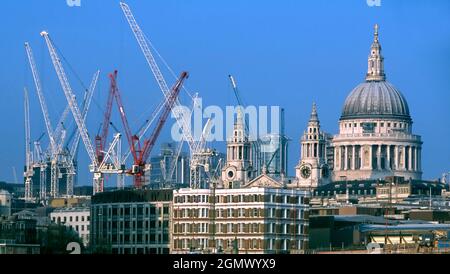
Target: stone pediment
[(264, 180)]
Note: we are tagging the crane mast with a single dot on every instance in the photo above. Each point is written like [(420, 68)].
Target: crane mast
[(100, 140), (28, 156)]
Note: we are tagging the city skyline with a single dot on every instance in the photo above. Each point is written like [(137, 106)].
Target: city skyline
[(321, 66)]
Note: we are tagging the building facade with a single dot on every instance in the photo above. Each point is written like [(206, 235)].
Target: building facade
[(376, 138), (5, 203), (251, 220), (131, 221), (77, 219)]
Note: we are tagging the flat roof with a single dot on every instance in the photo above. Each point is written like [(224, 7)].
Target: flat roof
[(404, 227)]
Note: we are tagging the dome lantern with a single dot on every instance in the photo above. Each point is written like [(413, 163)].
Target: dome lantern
[(375, 71)]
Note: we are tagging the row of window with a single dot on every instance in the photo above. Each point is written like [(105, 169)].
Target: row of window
[(240, 228), (352, 192), (242, 198), (400, 190), (133, 225), (239, 213), (132, 210), (241, 244), (138, 239), (79, 228), (66, 219), (381, 124)]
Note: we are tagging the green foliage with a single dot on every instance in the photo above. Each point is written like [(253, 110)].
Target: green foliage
[(55, 238)]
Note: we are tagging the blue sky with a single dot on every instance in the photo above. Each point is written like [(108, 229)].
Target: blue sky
[(287, 53)]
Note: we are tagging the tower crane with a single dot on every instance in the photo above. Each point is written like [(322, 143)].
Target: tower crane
[(53, 149), (100, 139), (74, 108), (28, 174), (182, 119), (59, 156), (38, 86), (141, 151)]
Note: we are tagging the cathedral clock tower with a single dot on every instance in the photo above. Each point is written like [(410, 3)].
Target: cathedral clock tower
[(313, 171)]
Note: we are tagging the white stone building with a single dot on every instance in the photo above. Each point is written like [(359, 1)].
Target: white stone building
[(250, 220), (76, 218), (375, 139)]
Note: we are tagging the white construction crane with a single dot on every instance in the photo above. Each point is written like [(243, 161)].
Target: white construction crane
[(98, 169), (40, 94), (53, 147), (58, 156), (177, 112), (73, 106), (28, 174), (183, 121)]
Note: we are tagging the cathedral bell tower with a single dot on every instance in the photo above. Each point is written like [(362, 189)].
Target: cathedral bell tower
[(239, 168), (312, 171)]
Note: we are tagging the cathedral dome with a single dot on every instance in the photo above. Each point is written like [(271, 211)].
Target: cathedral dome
[(375, 99)]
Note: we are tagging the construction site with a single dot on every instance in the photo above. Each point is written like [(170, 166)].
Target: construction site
[(116, 152)]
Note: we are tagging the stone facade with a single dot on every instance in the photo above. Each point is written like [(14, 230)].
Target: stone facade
[(375, 137)]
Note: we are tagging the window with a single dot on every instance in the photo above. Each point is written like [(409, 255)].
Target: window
[(382, 124), (70, 219), (76, 219)]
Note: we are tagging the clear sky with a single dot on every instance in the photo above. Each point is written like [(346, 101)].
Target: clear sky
[(287, 53)]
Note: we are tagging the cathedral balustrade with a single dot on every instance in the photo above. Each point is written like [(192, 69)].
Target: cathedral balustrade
[(398, 136)]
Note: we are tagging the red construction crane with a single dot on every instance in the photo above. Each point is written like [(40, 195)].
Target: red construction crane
[(100, 140), (141, 151)]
